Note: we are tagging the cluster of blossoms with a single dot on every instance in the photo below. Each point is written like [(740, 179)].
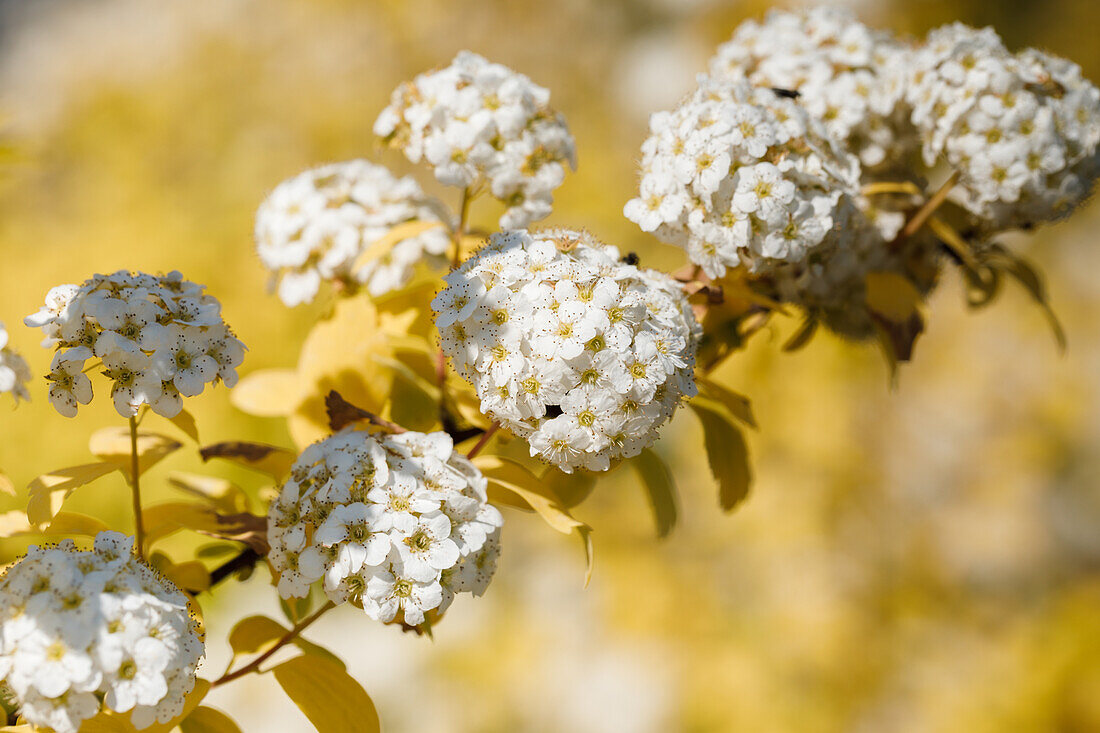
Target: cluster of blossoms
[(478, 122), (846, 75), (85, 630), (394, 524), (583, 355), (737, 174), (159, 337), (1022, 130), (321, 224), (14, 372)]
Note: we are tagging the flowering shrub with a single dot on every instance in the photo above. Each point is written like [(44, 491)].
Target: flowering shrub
[(818, 167)]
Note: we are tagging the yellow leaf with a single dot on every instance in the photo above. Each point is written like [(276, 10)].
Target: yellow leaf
[(108, 721), (190, 576), (738, 404), (339, 355), (570, 488), (49, 491), (15, 523), (269, 459), (208, 720), (257, 634), (881, 187), (113, 446), (516, 478), (727, 451), (6, 486), (162, 520), (223, 495), (892, 296), (392, 238), (660, 489), (585, 533), (330, 698), (185, 421), (268, 393), (802, 336)]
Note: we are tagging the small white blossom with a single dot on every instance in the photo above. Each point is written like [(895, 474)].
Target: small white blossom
[(81, 631), (158, 338), (320, 226), (738, 175), (14, 372), (1021, 129), (565, 344), (387, 522), (479, 123)]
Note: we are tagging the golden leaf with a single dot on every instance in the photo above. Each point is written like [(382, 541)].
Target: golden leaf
[(392, 238), (892, 296), (257, 634), (726, 450), (268, 393), (208, 720), (738, 404), (185, 421), (6, 485), (269, 459), (330, 698), (223, 495), (660, 489), (50, 490), (113, 446)]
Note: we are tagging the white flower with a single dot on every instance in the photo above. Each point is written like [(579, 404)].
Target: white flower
[(384, 520), (80, 627), (159, 338), (14, 372), (478, 122), (846, 75), (726, 173), (563, 333), (322, 226), (1021, 129)]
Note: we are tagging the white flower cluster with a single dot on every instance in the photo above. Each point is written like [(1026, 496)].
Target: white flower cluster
[(1021, 129), (846, 75), (81, 631), (159, 337), (478, 122), (579, 353), (14, 372), (394, 524), (321, 224), (737, 174)]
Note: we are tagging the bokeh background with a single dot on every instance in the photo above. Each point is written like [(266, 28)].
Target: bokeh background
[(925, 558)]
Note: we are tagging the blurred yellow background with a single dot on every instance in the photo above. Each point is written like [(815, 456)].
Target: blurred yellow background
[(925, 559)]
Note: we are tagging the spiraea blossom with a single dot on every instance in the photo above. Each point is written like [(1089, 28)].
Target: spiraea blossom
[(845, 74), (1021, 130), (14, 372), (158, 338), (85, 631), (394, 524), (737, 174), (479, 123), (568, 347), (320, 226)]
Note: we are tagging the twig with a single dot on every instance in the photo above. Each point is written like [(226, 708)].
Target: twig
[(924, 212), (135, 492), (485, 438), (288, 637)]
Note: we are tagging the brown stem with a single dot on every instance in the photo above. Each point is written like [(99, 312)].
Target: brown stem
[(924, 212), (135, 492), (485, 438), (286, 638)]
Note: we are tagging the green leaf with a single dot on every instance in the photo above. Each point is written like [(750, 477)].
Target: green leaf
[(660, 489), (726, 450), (208, 720), (332, 700), (738, 404), (185, 421), (112, 445), (49, 491)]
